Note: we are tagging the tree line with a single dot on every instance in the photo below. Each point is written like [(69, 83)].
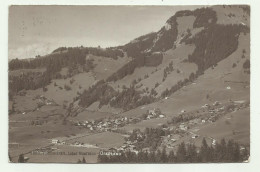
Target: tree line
[(127, 99), (74, 59), (226, 152)]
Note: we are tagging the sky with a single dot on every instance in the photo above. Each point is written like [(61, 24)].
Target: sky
[(38, 30)]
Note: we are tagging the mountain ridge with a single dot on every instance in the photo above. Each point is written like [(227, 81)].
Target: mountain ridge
[(149, 51)]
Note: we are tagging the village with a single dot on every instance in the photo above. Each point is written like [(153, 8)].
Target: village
[(182, 126), (113, 124), (186, 129)]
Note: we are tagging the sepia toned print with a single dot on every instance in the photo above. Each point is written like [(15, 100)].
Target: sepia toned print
[(129, 84)]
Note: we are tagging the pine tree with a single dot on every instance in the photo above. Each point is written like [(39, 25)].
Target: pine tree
[(191, 153), (204, 151), (171, 156), (10, 158), (164, 155), (158, 156), (145, 157), (223, 151), (230, 150), (236, 154), (83, 160), (181, 153), (151, 157), (244, 154), (21, 158)]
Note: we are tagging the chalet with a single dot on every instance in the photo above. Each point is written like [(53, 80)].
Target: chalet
[(183, 127), (112, 149), (182, 111), (242, 148), (195, 136), (128, 142), (120, 149), (243, 23), (26, 158), (205, 106), (130, 119), (216, 103), (53, 149), (152, 112), (161, 116), (76, 143), (55, 141), (173, 140), (211, 111), (149, 117)]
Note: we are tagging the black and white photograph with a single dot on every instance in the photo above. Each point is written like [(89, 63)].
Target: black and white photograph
[(129, 84), (81, 90)]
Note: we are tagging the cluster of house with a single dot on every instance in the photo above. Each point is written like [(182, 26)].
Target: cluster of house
[(43, 151), (170, 140), (154, 113), (128, 146), (218, 109), (213, 113), (41, 101), (57, 141), (112, 124), (61, 141), (106, 124)]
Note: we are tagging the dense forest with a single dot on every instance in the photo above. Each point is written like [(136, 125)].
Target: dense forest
[(63, 56), (135, 48), (214, 44), (127, 99), (101, 92), (72, 58), (145, 59), (165, 38), (180, 84), (57, 60), (222, 152)]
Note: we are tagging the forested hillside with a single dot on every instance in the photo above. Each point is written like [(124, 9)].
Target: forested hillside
[(213, 43)]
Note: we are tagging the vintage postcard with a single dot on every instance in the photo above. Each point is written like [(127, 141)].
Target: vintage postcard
[(129, 84)]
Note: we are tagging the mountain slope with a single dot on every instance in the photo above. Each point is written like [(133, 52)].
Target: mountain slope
[(190, 43), (146, 69)]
